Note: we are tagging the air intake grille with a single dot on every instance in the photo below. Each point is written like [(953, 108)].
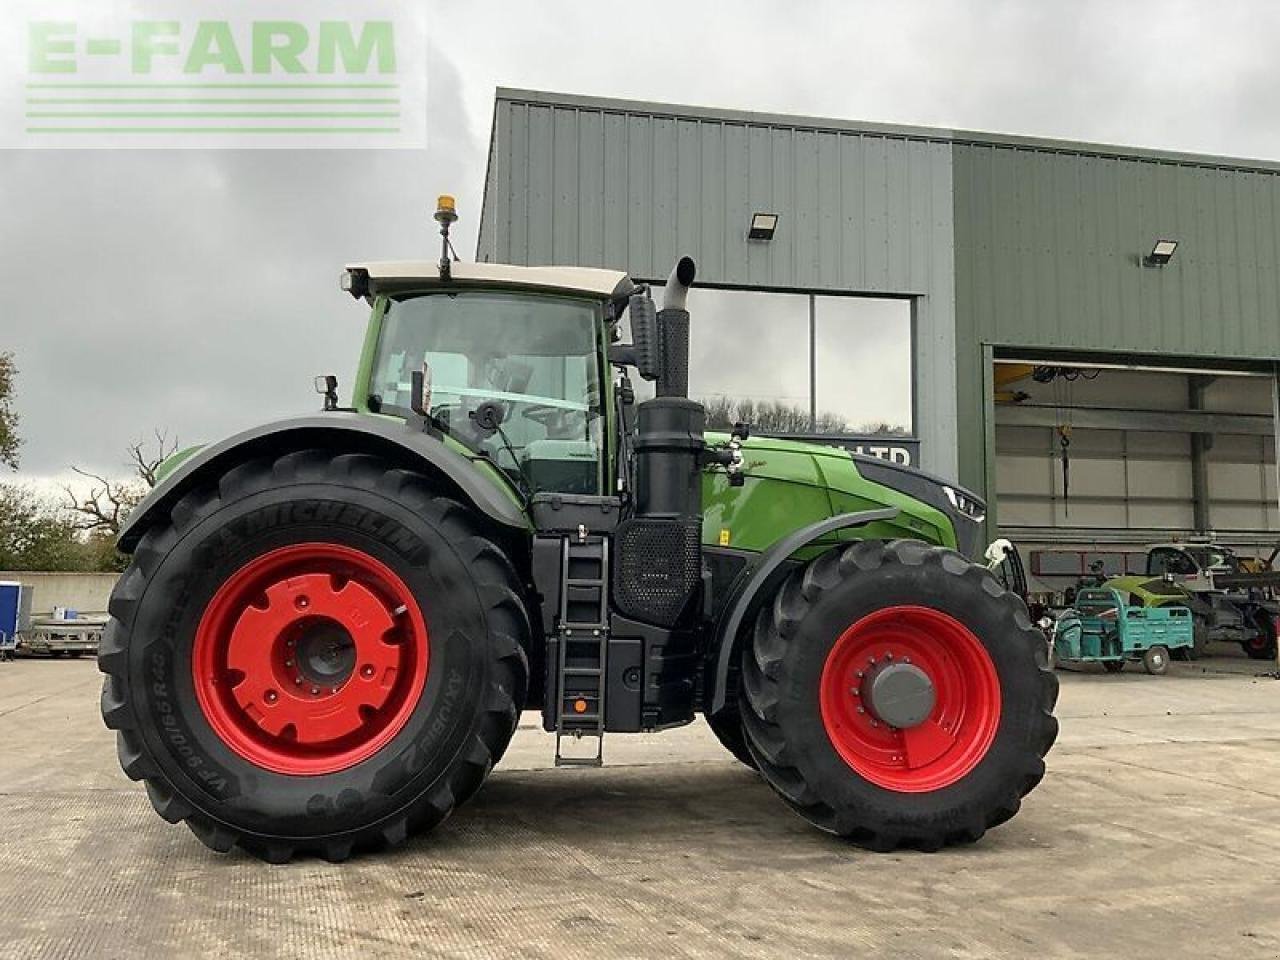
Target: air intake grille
[(657, 566)]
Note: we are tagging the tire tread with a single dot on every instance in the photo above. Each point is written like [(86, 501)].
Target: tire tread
[(497, 586)]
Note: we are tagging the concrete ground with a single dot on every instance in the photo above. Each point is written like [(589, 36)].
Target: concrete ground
[(1155, 834)]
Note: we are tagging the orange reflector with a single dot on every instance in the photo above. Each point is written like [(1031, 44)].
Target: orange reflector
[(579, 706)]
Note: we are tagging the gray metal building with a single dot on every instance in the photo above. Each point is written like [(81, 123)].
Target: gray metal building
[(1004, 254)]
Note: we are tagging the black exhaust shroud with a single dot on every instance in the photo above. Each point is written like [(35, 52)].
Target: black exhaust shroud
[(658, 553)]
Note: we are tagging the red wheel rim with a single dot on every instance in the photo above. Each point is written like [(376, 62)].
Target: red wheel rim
[(310, 658), (959, 730)]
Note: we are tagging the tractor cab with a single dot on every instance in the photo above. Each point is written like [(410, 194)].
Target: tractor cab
[(510, 362)]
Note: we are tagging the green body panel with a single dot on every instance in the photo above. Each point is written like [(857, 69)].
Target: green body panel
[(790, 485), (1150, 591)]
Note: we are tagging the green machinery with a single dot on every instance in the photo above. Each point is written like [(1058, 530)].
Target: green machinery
[(331, 624), (1103, 628), (1231, 599)]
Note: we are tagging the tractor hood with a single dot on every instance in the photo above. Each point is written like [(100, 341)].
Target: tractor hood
[(790, 483)]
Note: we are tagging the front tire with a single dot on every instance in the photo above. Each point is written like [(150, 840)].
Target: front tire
[(897, 695), (318, 655)]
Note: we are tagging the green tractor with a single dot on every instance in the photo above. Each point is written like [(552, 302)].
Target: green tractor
[(331, 624)]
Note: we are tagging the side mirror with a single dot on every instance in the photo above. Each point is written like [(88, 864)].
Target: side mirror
[(327, 386), (488, 417), (644, 335), (644, 350)]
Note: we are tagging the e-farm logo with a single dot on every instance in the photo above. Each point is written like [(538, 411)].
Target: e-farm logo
[(231, 74)]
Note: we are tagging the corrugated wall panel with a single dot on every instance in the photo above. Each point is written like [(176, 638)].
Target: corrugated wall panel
[(860, 212), (597, 183)]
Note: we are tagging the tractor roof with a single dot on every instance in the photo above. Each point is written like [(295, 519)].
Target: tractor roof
[(426, 273)]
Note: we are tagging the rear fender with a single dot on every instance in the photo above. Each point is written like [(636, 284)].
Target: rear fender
[(341, 433), (756, 582)]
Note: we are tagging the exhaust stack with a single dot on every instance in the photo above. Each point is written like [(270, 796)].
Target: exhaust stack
[(676, 292), (658, 552), (673, 331)]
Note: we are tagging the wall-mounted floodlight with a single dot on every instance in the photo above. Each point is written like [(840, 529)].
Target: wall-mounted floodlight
[(763, 226), (1161, 253)]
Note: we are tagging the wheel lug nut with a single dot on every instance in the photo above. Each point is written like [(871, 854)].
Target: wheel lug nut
[(271, 696), (366, 671), (888, 656), (302, 603), (315, 690), (297, 681), (862, 710), (288, 663)]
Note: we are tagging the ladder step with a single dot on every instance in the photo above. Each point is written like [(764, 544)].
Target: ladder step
[(579, 761), (583, 648)]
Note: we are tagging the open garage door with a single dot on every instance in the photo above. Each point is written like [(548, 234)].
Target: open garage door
[(1150, 455)]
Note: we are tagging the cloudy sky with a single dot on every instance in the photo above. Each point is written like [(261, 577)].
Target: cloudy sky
[(197, 291)]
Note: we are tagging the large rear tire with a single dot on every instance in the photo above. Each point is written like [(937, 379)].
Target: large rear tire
[(318, 655), (897, 695)]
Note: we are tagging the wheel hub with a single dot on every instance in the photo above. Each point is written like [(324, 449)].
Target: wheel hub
[(900, 694), (325, 653), (910, 698), (310, 658)]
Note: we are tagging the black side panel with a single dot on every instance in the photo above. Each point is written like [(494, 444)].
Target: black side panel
[(725, 565), (343, 433), (652, 676)]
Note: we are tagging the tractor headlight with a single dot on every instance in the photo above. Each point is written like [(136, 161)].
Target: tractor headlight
[(966, 505)]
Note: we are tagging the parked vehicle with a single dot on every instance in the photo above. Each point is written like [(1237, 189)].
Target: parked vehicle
[(1231, 599), (1103, 628), (60, 637)]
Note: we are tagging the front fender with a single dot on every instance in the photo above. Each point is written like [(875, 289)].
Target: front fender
[(759, 575), (342, 433)]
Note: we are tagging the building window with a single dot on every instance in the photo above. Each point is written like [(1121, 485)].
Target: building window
[(792, 363), (862, 365)]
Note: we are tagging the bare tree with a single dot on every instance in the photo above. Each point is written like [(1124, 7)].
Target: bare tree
[(145, 459), (104, 508)]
